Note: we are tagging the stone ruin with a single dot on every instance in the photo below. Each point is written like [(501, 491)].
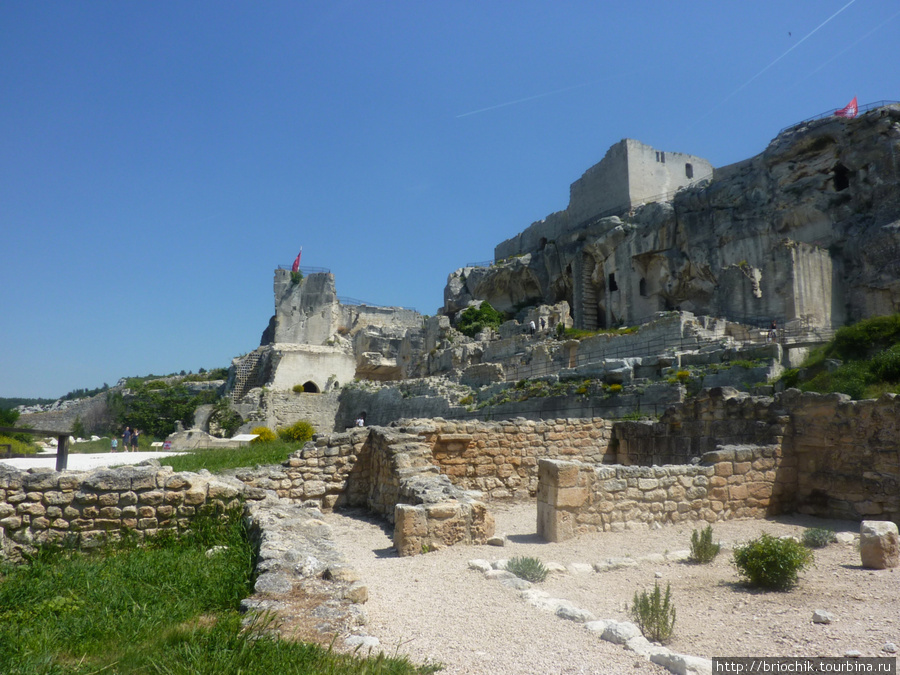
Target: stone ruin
[(805, 233)]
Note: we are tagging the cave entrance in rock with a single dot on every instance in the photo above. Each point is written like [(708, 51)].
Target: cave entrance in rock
[(310, 387)]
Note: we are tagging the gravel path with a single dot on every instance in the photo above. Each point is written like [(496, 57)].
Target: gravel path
[(432, 607)]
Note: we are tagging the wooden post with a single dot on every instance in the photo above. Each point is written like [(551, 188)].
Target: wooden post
[(62, 452)]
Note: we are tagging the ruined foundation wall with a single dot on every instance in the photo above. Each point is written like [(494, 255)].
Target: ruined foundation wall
[(742, 482), (85, 509)]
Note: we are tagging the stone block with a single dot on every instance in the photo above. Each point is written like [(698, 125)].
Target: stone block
[(879, 544)]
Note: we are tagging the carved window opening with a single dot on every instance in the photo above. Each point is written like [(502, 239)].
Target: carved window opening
[(689, 170), (613, 286), (660, 157), (642, 288), (310, 387), (841, 178), (542, 243)]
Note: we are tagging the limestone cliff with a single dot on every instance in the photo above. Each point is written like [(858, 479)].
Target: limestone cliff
[(807, 232)]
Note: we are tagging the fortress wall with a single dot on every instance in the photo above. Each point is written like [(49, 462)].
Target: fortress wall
[(652, 172), (284, 408), (318, 364), (603, 187)]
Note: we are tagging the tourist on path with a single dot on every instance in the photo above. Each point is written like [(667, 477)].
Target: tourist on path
[(126, 439), (134, 440)]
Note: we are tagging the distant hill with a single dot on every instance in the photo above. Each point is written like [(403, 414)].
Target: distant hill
[(9, 403)]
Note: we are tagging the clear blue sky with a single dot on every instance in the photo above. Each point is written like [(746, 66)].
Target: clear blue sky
[(158, 160)]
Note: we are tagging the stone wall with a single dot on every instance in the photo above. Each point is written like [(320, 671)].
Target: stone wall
[(732, 482), (84, 509)]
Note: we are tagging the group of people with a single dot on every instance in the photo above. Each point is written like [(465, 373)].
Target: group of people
[(130, 440)]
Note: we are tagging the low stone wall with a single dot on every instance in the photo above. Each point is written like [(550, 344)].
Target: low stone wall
[(85, 509), (732, 482), (500, 459)]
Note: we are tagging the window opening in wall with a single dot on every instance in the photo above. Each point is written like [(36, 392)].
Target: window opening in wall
[(841, 177), (642, 287), (689, 170), (662, 157), (613, 286)]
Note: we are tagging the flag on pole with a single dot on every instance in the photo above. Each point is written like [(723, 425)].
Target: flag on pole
[(296, 266), (849, 110)]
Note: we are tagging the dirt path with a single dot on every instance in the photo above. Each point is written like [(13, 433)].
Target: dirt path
[(432, 607)]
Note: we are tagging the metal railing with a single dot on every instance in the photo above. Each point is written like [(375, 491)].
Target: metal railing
[(355, 302), (306, 270), (860, 110)]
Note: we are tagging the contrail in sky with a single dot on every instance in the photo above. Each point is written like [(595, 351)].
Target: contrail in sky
[(527, 98), (851, 46), (792, 48)]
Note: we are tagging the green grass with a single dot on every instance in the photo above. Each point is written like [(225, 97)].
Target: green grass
[(161, 609), (220, 459)]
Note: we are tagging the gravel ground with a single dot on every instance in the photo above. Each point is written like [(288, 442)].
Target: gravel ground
[(432, 607)]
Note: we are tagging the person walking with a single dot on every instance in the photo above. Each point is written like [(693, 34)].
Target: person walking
[(126, 439), (114, 445), (134, 440)]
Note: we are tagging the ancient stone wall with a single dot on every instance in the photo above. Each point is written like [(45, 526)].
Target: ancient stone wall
[(733, 482), (84, 509)]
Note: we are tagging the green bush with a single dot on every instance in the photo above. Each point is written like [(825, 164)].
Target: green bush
[(886, 365), (817, 537), (683, 376), (298, 432), (474, 320), (530, 569), (298, 389), (703, 550), (263, 435), (860, 340), (772, 563), (654, 614)]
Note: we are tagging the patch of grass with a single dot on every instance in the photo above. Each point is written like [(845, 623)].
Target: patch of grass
[(160, 609), (817, 537), (220, 459), (527, 568)]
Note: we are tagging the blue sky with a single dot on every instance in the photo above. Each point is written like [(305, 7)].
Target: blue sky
[(159, 160)]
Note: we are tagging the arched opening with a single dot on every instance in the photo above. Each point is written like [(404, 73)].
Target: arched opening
[(841, 177), (310, 387), (642, 287), (613, 286), (542, 243), (689, 170)]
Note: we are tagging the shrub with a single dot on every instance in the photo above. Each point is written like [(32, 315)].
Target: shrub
[(474, 320), (817, 537), (530, 569), (771, 563), (263, 435), (683, 376), (886, 365), (298, 432), (703, 550), (298, 389), (654, 614), (615, 389)]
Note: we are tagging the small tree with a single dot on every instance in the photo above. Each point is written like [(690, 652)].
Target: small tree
[(475, 319)]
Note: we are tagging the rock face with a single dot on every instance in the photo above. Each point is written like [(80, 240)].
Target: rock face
[(807, 231), (879, 544)]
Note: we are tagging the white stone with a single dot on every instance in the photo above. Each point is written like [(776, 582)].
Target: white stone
[(499, 574), (580, 568), (597, 626), (678, 556), (845, 538), (480, 565), (620, 632), (889, 647), (682, 664), (555, 568), (575, 614), (362, 641), (821, 616), (879, 544)]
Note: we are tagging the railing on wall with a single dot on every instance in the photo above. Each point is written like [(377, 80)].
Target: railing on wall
[(307, 270), (830, 113)]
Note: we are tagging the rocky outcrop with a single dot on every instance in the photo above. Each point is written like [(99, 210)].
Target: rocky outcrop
[(808, 231)]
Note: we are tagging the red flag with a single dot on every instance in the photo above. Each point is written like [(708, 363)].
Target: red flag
[(296, 266), (850, 110)]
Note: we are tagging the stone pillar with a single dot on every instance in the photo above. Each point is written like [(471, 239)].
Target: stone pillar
[(562, 491)]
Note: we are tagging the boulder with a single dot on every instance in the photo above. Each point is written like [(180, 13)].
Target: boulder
[(879, 544)]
